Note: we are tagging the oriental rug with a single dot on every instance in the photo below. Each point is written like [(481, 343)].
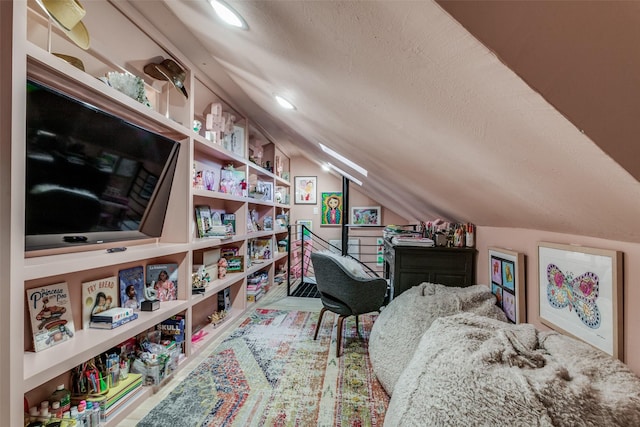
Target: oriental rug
[(271, 372)]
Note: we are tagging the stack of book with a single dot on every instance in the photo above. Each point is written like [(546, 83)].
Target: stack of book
[(257, 286), (412, 241), (112, 318), (119, 396)]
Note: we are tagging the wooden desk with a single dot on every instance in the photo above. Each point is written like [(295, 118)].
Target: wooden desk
[(408, 266)]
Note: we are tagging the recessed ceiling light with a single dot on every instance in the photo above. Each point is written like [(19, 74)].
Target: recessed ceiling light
[(228, 14), (284, 103)]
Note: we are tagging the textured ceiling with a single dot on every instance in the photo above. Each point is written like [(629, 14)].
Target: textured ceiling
[(444, 127)]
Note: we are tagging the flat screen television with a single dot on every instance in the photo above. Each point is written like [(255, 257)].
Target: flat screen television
[(91, 177)]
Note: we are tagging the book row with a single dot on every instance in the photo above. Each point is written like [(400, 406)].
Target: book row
[(110, 301)]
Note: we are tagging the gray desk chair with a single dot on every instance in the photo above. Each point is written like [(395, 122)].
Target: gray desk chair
[(344, 293)]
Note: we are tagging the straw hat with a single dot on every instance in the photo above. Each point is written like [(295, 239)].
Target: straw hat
[(68, 14), (168, 70), (71, 60)]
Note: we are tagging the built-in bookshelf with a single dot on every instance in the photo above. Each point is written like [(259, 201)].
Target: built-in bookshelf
[(204, 150)]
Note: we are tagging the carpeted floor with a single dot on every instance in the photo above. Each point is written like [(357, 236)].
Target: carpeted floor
[(270, 372)]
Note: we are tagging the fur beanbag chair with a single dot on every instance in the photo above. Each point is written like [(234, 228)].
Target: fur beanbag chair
[(470, 370), (399, 327)]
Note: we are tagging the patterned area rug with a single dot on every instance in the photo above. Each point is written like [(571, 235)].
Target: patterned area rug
[(270, 372)]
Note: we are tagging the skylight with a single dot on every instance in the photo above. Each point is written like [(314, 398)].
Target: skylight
[(345, 174), (343, 159)]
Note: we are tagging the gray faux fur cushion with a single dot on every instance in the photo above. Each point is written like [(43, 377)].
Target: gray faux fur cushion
[(399, 327), (470, 370)]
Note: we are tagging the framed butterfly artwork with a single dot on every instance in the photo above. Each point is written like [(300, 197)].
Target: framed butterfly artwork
[(506, 275), (580, 294)]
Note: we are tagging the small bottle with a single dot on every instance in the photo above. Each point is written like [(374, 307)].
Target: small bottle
[(56, 411), (82, 414), (74, 414), (34, 411), (470, 236), (95, 415), (63, 396), (44, 414), (88, 412)]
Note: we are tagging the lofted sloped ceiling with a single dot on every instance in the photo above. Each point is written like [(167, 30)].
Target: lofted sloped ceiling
[(446, 127)]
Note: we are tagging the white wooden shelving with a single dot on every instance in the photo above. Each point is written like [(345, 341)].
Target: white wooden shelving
[(121, 40)]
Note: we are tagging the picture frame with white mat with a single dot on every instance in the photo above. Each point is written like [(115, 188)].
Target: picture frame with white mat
[(580, 294)]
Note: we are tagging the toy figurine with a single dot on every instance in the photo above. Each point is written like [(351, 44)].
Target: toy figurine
[(222, 268), (243, 186)]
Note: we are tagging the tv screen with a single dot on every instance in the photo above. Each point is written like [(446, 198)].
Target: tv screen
[(91, 177)]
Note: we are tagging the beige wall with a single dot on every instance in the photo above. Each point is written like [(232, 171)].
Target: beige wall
[(525, 241)]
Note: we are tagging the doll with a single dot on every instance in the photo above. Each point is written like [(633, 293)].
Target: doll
[(222, 268)]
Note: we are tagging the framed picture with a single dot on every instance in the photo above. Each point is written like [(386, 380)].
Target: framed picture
[(368, 215), (580, 293), (306, 234), (306, 188), (331, 208), (506, 275), (268, 191)]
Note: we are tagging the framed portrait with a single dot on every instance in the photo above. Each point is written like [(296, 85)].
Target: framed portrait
[(304, 233), (367, 215), (580, 292), (506, 275), (306, 189), (331, 208)]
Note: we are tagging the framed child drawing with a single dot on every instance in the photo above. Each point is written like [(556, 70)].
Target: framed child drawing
[(306, 189), (367, 215), (506, 274), (580, 293), (331, 208)]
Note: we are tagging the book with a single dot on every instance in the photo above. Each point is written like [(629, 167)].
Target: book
[(51, 317), (94, 324), (163, 279), (412, 241), (113, 314), (216, 216), (172, 329), (230, 218), (117, 395), (224, 299), (131, 284), (267, 224), (203, 220), (261, 249), (97, 296)]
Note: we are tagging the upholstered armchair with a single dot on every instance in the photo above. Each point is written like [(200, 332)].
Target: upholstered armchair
[(345, 290)]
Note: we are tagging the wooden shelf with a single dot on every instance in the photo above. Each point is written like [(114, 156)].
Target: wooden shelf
[(135, 44), (45, 365)]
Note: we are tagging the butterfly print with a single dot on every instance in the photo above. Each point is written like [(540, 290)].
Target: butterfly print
[(580, 294)]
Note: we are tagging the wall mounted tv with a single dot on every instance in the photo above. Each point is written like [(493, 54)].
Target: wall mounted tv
[(91, 177)]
